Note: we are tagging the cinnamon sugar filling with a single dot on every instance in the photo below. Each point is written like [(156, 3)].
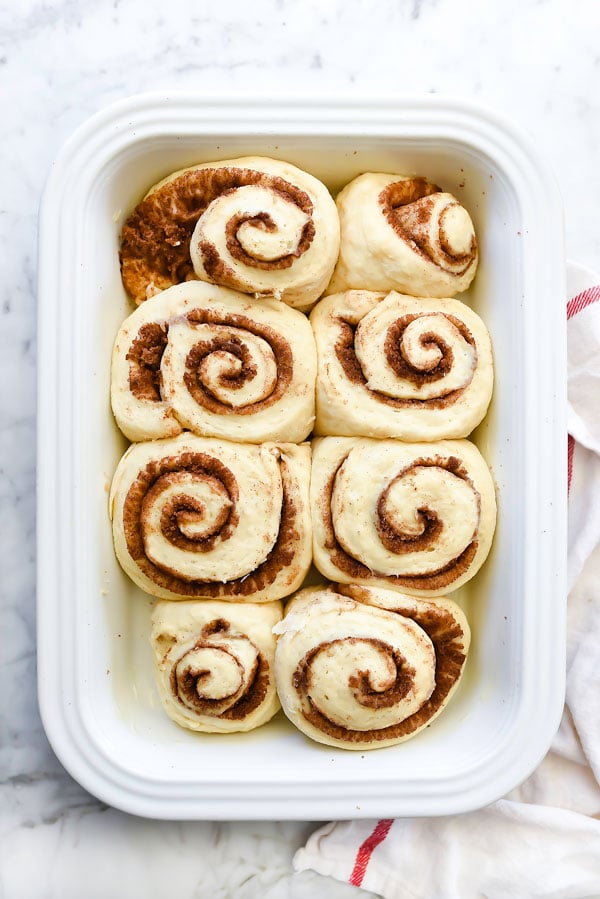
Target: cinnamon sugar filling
[(407, 191), (360, 682), (155, 239), (187, 687), (396, 358), (193, 376), (399, 543), (280, 557), (144, 357), (408, 207), (265, 222), (446, 635)]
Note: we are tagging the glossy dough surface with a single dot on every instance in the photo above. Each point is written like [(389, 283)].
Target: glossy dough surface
[(199, 517), (362, 668), (399, 366), (254, 224), (419, 517), (403, 233), (214, 361), (213, 663)]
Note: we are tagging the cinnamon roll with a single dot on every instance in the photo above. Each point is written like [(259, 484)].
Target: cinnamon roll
[(399, 366), (214, 361), (403, 233), (419, 517), (363, 668), (213, 663), (198, 517), (255, 224)]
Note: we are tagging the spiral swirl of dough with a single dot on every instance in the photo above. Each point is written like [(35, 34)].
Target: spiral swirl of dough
[(419, 517), (370, 668), (214, 663), (255, 224), (197, 517), (211, 360), (403, 233), (399, 366)]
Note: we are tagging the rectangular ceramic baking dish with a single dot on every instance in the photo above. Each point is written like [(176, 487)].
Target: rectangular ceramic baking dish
[(96, 689)]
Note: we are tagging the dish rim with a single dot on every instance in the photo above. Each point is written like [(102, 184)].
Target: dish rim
[(68, 731)]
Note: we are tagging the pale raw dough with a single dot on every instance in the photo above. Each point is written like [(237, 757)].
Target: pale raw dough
[(263, 226), (253, 379), (419, 517), (213, 663), (370, 668), (196, 517), (397, 366), (425, 247)]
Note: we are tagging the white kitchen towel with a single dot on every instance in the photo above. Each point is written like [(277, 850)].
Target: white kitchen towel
[(543, 839)]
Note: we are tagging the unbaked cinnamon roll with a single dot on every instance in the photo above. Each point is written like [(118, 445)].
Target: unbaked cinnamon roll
[(419, 517), (255, 224), (403, 233), (363, 668), (198, 517), (214, 663), (212, 360), (398, 366)]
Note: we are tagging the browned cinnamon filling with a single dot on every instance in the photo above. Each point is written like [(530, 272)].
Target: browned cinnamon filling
[(396, 358), (197, 384), (280, 557), (182, 510), (408, 207), (445, 246), (230, 345), (187, 687), (407, 191), (155, 239), (144, 357), (216, 626), (447, 637), (266, 223), (400, 543), (360, 682)]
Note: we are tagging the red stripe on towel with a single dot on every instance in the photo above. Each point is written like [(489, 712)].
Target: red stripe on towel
[(576, 304), (365, 851), (570, 450), (583, 299)]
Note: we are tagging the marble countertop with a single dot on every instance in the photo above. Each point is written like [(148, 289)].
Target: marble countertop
[(536, 61)]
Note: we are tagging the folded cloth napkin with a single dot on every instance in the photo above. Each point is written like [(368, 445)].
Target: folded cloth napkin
[(543, 839)]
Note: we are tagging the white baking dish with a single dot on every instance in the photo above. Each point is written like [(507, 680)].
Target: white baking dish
[(97, 695)]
